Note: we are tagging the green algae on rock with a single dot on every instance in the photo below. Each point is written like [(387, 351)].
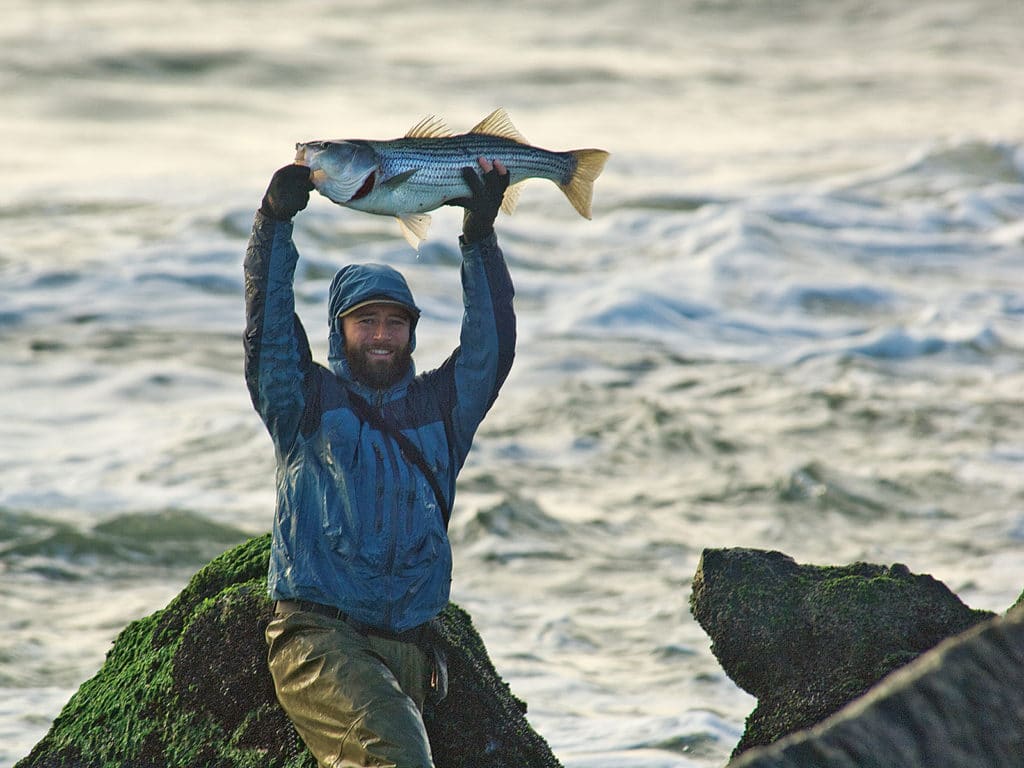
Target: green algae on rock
[(188, 686), (956, 706), (806, 640)]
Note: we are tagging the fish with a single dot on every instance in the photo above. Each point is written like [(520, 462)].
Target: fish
[(422, 171)]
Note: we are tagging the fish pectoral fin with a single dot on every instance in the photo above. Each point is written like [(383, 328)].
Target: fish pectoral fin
[(414, 227), (399, 178), (511, 198), (498, 123)]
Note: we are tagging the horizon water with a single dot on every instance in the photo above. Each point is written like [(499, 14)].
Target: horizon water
[(795, 322)]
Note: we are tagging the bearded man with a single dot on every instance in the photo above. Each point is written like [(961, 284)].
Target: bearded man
[(367, 456)]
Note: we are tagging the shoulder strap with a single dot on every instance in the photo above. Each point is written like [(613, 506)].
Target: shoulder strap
[(366, 413)]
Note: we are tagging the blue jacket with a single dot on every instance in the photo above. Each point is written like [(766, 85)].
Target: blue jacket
[(357, 526)]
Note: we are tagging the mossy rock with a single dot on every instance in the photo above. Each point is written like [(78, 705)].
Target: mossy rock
[(956, 706), (806, 640), (188, 687)]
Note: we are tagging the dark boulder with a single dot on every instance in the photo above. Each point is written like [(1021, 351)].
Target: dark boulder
[(806, 640), (957, 706), (188, 687)]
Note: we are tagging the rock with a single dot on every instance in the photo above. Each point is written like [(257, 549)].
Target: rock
[(806, 640), (957, 706), (189, 687)]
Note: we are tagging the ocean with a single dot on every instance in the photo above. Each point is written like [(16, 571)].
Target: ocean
[(795, 322)]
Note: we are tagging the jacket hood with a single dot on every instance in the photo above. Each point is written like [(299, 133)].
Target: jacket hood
[(356, 284)]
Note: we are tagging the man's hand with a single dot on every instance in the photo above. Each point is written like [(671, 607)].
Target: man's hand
[(482, 205), (288, 192)]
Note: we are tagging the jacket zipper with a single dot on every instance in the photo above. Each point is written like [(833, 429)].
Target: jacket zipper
[(392, 505)]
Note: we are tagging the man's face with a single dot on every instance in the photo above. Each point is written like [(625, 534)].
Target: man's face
[(377, 344)]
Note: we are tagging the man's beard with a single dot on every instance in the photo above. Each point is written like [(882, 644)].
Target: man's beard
[(378, 374)]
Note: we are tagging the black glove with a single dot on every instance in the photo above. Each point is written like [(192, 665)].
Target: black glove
[(482, 206), (288, 192)]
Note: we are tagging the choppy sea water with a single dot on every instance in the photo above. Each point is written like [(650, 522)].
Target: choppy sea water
[(796, 321)]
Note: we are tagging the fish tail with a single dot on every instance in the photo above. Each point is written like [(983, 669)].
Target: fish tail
[(580, 188)]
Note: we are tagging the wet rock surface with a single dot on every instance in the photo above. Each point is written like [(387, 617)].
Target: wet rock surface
[(806, 640), (189, 686), (957, 706)]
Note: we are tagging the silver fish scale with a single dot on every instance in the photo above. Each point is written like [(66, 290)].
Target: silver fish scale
[(439, 162)]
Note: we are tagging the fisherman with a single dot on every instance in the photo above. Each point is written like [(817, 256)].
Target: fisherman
[(367, 456)]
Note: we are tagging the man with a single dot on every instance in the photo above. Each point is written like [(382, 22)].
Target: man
[(367, 456)]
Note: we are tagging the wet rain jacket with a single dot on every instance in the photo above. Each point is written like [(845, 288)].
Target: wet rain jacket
[(357, 526)]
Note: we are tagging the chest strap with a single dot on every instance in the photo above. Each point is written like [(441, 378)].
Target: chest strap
[(412, 454)]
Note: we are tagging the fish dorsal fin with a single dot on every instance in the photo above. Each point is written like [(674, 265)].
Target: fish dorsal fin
[(498, 123), (430, 127), (414, 227)]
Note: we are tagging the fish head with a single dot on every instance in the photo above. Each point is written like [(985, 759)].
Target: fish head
[(339, 169)]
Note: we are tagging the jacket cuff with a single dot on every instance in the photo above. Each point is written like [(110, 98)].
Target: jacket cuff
[(264, 221), (481, 247)]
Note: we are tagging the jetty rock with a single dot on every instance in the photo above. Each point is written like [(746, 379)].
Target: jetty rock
[(188, 687), (807, 640), (957, 706)]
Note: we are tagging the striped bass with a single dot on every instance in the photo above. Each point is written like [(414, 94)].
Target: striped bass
[(423, 170)]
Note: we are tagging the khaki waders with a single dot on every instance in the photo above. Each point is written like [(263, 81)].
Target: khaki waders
[(355, 699)]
